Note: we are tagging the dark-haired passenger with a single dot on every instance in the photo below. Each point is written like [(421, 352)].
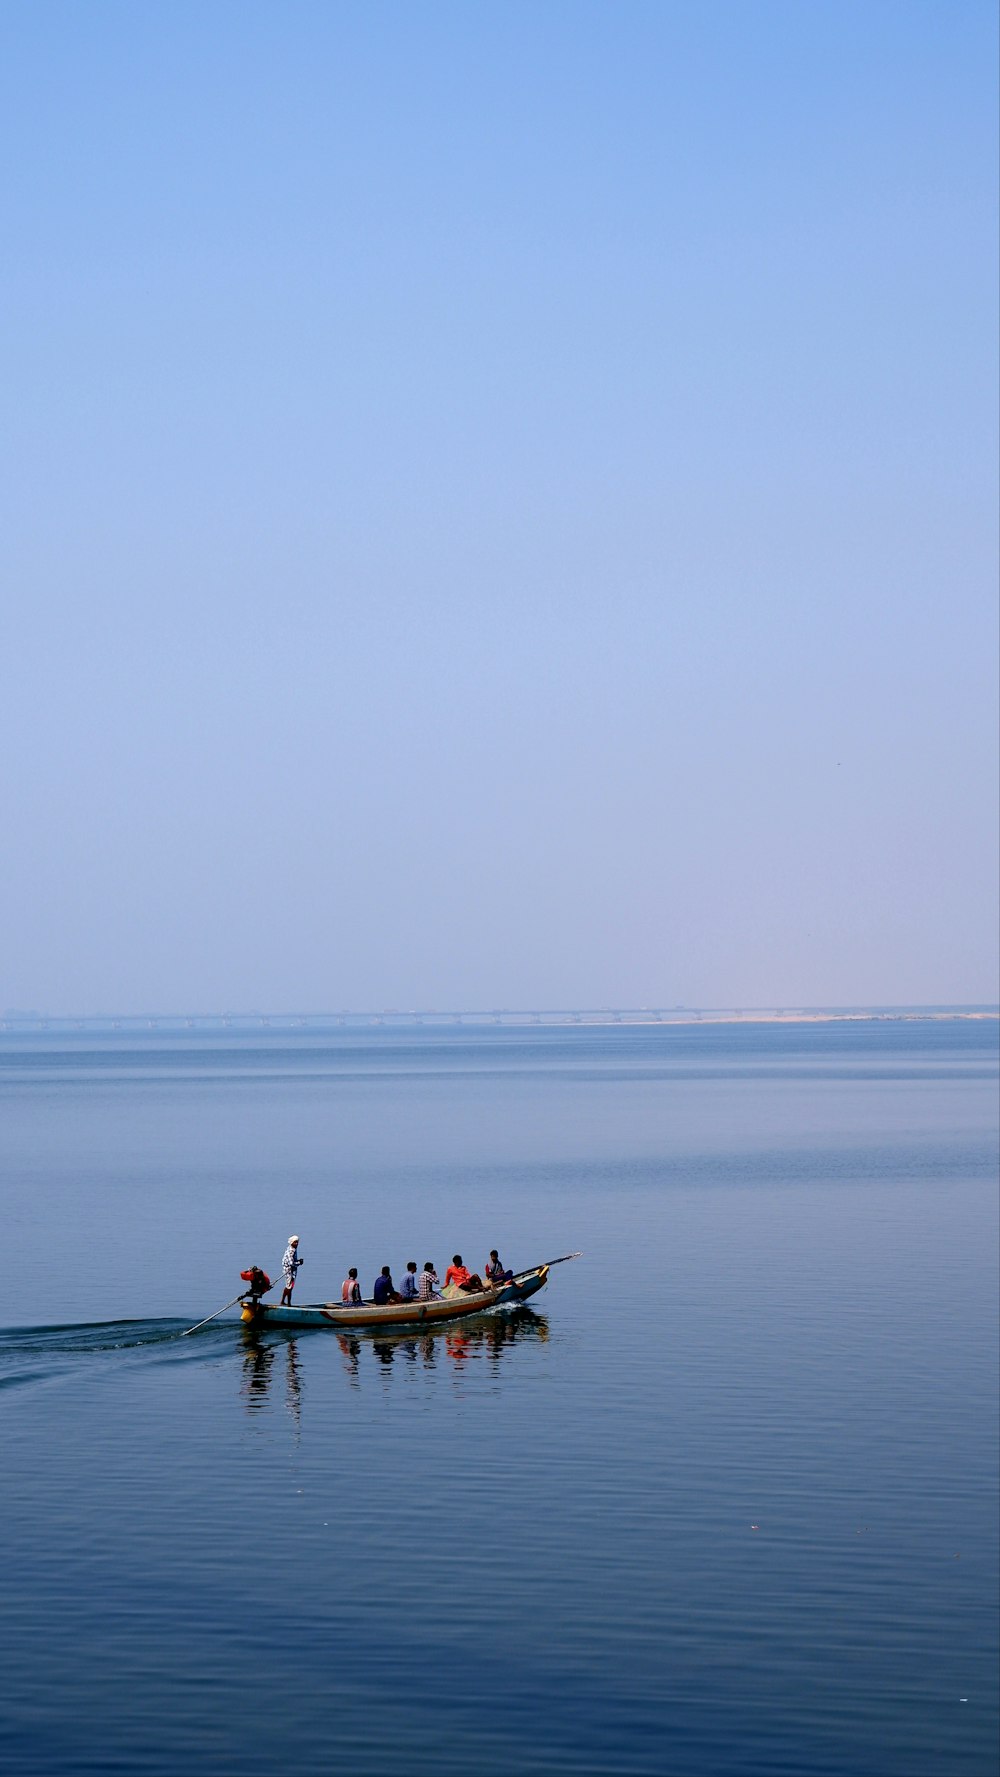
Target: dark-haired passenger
[(495, 1272), (385, 1290), (411, 1288), (461, 1276)]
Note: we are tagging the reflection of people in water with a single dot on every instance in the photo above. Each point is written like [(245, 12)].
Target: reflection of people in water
[(293, 1381), (257, 1360), (487, 1336), (351, 1348)]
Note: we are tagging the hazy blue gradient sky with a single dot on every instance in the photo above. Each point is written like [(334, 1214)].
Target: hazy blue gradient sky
[(498, 503)]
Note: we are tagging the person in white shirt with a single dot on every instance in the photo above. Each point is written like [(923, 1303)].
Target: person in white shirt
[(289, 1266)]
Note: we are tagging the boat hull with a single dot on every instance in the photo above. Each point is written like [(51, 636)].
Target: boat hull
[(457, 1306), (523, 1286)]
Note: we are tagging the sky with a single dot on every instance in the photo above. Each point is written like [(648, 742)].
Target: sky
[(498, 504)]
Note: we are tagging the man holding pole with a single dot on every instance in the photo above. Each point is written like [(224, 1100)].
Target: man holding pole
[(289, 1265)]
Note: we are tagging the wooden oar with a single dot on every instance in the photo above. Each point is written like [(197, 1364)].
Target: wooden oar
[(215, 1316)]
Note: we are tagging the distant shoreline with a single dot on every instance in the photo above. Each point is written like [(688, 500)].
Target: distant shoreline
[(809, 1018), (234, 1024)]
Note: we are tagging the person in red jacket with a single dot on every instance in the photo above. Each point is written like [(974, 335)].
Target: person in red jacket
[(459, 1274)]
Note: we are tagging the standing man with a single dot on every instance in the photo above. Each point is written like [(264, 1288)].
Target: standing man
[(289, 1265)]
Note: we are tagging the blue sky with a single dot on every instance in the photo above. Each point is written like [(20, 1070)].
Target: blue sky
[(499, 504)]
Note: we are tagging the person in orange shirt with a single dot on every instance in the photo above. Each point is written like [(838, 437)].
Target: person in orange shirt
[(460, 1274)]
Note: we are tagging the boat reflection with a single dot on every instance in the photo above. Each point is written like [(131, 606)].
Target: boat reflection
[(489, 1337), (259, 1358), (448, 1347)]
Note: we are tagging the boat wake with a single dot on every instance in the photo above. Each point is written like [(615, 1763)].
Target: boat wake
[(53, 1354), (86, 1338), (38, 1358)]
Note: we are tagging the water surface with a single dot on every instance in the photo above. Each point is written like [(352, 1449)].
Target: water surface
[(723, 1500)]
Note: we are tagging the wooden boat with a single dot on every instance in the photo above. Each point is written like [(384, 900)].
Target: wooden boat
[(452, 1304)]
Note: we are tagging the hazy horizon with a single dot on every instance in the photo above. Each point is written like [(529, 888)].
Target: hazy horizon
[(499, 504), (666, 1013)]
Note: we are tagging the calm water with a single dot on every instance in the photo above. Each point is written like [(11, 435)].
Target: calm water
[(725, 1502)]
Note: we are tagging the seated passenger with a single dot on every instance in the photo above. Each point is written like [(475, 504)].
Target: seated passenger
[(495, 1272), (384, 1291), (428, 1283), (410, 1286), (351, 1290), (459, 1274)]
